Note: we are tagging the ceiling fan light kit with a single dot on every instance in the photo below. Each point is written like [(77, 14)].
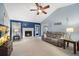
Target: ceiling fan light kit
[(40, 11)]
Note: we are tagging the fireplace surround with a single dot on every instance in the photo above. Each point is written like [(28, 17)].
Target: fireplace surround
[(28, 32)]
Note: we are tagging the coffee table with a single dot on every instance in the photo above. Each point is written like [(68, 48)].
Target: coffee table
[(70, 41)]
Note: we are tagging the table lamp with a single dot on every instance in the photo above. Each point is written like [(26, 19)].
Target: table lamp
[(69, 30)]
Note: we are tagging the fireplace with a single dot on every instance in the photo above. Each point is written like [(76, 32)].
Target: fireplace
[(28, 33)]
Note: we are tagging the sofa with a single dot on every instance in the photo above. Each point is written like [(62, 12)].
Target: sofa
[(53, 38)]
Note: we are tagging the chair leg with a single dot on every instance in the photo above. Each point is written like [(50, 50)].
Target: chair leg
[(74, 48), (67, 44), (77, 46), (64, 44)]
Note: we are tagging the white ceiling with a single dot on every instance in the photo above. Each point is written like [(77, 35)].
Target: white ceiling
[(21, 11)]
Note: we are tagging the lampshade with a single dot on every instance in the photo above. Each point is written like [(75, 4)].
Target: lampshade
[(46, 29), (70, 29)]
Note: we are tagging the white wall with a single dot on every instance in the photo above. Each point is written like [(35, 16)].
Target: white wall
[(69, 16), (6, 20), (1, 13)]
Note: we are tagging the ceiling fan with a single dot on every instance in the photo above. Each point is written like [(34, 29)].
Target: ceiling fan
[(40, 9)]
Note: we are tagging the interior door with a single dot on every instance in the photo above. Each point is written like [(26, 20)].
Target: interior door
[(37, 30)]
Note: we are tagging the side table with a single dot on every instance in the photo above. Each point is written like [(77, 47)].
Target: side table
[(16, 37)]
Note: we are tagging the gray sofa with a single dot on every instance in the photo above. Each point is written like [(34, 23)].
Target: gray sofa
[(53, 38)]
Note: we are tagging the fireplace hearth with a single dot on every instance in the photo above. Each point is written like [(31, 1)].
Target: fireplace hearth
[(28, 33)]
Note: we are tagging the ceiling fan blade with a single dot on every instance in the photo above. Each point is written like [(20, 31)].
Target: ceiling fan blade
[(40, 7), (37, 4), (37, 13), (44, 12), (46, 7), (33, 9)]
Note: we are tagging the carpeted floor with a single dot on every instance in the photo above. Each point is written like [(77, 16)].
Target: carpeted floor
[(36, 47)]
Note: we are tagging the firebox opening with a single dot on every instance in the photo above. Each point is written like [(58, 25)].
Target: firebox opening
[(28, 33)]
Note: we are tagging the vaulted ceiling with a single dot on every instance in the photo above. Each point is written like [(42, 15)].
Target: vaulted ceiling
[(21, 11)]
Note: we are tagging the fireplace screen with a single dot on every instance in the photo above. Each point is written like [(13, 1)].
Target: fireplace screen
[(28, 33)]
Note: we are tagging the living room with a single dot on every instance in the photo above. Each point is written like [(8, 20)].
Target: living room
[(31, 26)]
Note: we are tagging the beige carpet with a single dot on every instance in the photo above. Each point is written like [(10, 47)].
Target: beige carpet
[(36, 47)]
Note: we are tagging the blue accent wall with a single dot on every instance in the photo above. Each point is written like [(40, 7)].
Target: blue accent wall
[(30, 25), (25, 24)]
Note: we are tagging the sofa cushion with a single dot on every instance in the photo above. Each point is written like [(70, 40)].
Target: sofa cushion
[(53, 39)]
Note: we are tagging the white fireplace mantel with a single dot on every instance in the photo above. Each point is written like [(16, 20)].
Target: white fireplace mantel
[(28, 29)]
